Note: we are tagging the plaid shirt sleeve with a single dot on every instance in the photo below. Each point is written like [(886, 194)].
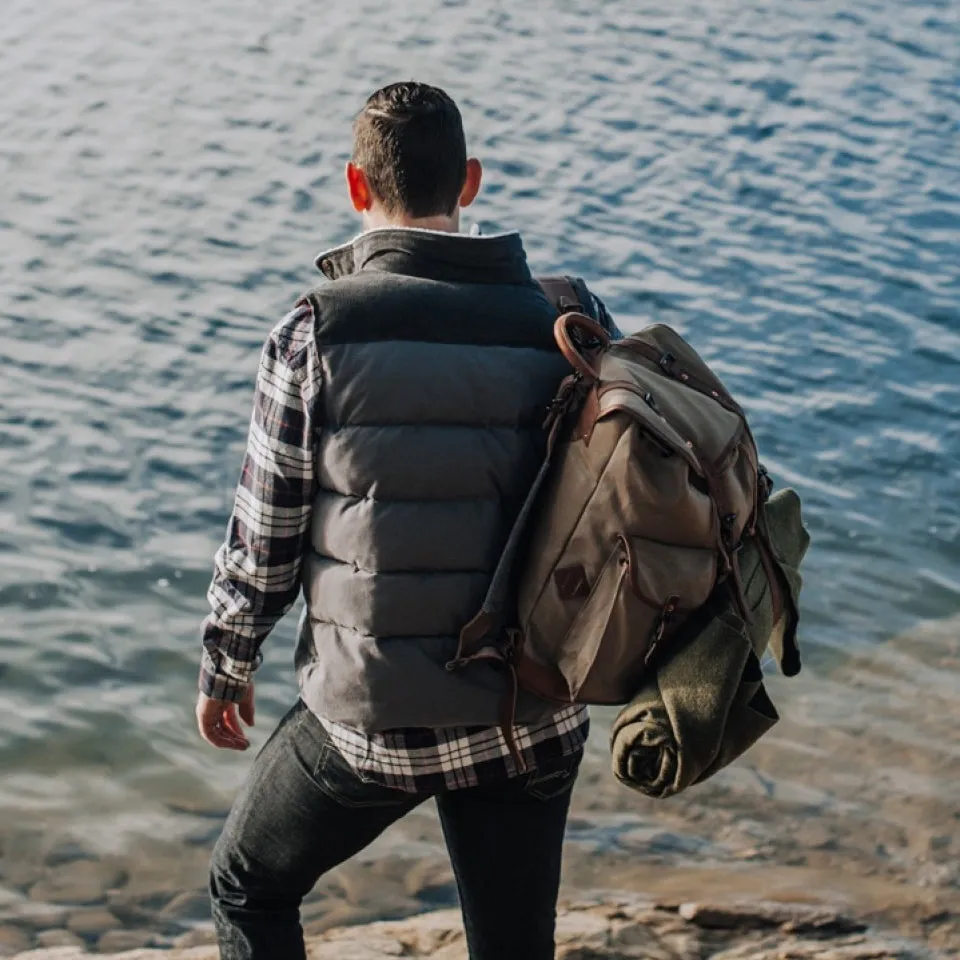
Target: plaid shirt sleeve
[(256, 577)]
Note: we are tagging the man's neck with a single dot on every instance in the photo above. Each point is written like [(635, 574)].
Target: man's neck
[(444, 224)]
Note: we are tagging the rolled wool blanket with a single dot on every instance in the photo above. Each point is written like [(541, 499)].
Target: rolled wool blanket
[(706, 703)]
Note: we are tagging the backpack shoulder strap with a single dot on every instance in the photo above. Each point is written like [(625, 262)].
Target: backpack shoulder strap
[(568, 293)]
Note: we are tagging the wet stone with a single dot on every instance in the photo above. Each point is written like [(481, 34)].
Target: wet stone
[(117, 941), (760, 916), (452, 951), (158, 872), (80, 882), (341, 915), (312, 909), (131, 907), (9, 898), (575, 952), (432, 934), (189, 906), (684, 946), (371, 947), (200, 937), (12, 940), (66, 851), (56, 953), (40, 916), (21, 874), (634, 935), (58, 938), (92, 923), (431, 882), (586, 929)]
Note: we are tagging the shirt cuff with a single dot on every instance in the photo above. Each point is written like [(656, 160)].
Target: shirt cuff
[(220, 687), (222, 678)]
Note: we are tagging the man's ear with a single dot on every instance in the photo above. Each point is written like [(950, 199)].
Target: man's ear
[(359, 189), (471, 186)]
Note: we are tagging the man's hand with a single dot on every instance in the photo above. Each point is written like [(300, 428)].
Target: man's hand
[(219, 724)]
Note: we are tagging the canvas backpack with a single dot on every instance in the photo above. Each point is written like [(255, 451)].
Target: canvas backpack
[(651, 484)]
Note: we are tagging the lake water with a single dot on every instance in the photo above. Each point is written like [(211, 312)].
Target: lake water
[(780, 181)]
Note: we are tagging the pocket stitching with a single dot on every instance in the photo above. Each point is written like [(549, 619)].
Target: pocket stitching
[(339, 796), (554, 789), (566, 776)]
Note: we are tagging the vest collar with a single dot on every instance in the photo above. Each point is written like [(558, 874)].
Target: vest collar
[(434, 254)]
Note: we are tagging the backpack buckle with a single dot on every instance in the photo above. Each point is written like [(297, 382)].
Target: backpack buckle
[(667, 612), (727, 524), (511, 644), (666, 362), (565, 399)]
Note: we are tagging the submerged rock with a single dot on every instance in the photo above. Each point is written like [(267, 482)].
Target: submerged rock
[(78, 882), (12, 940)]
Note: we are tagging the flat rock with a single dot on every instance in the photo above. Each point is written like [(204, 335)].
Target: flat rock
[(67, 851), (21, 874), (201, 937), (59, 938), (39, 916), (585, 929), (431, 881), (80, 882), (356, 948), (54, 953), (12, 940), (92, 923), (794, 918), (192, 905), (117, 940), (430, 933), (9, 898), (161, 871)]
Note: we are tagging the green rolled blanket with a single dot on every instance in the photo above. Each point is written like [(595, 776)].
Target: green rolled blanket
[(706, 704)]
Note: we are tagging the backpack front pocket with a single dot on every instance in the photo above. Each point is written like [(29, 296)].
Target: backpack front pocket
[(643, 593)]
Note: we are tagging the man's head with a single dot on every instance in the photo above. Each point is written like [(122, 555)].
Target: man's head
[(410, 165)]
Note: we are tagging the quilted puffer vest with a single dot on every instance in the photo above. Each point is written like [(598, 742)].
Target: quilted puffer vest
[(438, 362)]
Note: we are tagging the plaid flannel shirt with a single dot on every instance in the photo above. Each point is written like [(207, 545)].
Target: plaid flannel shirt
[(256, 581)]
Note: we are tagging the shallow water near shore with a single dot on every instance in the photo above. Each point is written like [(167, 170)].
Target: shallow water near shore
[(781, 182)]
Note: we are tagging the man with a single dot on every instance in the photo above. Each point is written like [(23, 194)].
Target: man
[(396, 429)]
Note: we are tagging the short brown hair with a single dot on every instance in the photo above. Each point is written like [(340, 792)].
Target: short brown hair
[(408, 140)]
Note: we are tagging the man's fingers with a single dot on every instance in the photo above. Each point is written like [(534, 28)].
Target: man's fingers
[(214, 722), (246, 707), (231, 722), (218, 736), (224, 741)]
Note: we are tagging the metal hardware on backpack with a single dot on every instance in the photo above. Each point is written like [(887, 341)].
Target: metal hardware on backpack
[(651, 484)]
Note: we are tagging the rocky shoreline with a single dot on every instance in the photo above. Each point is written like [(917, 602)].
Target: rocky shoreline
[(614, 929), (844, 807)]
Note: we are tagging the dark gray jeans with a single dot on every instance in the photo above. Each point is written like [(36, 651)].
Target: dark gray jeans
[(303, 811)]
